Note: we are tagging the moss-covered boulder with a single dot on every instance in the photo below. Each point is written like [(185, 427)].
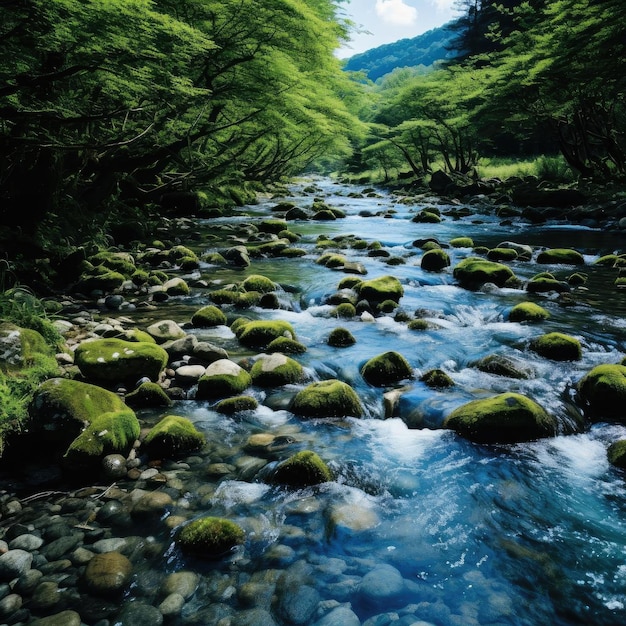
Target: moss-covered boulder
[(502, 254), (328, 398), (602, 392), (258, 334), (222, 378), (435, 260), (616, 453), (421, 324), (503, 365), (506, 418), (230, 406), (378, 290), (104, 282), (557, 347), (345, 310), (210, 537), (286, 346), (474, 272), (115, 360), (276, 369), (108, 433), (545, 284), (528, 312), (171, 436), (437, 379), (148, 395), (386, 369), (461, 242), (426, 217), (21, 347), (257, 282), (176, 287), (208, 317), (165, 330), (303, 469), (560, 256), (341, 338)]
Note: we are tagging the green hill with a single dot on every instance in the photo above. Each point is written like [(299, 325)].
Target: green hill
[(424, 49)]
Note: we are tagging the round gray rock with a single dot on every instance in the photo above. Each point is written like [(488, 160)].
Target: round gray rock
[(14, 563)]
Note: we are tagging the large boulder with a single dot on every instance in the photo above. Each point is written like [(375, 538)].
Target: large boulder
[(557, 347), (435, 260), (378, 290), (276, 369), (506, 418), (386, 369), (602, 392), (115, 360), (328, 398), (561, 256), (222, 378), (528, 312), (207, 317), (474, 272), (303, 469), (259, 334), (171, 436), (21, 347)]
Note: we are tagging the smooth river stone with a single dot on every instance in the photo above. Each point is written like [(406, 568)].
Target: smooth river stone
[(64, 618), (182, 583), (26, 542), (341, 616), (382, 586), (14, 563), (108, 573)]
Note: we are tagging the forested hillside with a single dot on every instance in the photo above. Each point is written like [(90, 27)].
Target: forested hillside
[(424, 50)]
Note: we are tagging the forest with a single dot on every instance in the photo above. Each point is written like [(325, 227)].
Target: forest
[(109, 106)]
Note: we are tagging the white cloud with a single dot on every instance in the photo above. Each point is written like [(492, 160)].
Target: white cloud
[(444, 5), (396, 12)]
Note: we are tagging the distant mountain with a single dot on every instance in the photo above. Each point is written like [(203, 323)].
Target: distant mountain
[(424, 49)]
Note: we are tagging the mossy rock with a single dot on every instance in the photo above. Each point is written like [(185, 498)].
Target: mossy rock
[(242, 300), (616, 454), (257, 282), (528, 312), (378, 290), (108, 433), (303, 469), (426, 217), (608, 260), (502, 254), (292, 253), (602, 392), (557, 347), (332, 261), (121, 262), (176, 287), (210, 537), (165, 330), (341, 338), (431, 245), (435, 260), (386, 369), (105, 283), (345, 310), (286, 346), (349, 282), (21, 347), (272, 226), (577, 279), (134, 334), (461, 242), (503, 365), (505, 418), (474, 272), (147, 395), (222, 378), (422, 324), (275, 370), (258, 334), (544, 284), (561, 256), (230, 406), (115, 360), (207, 317), (178, 253), (437, 379), (328, 398), (324, 215), (62, 407), (171, 436)]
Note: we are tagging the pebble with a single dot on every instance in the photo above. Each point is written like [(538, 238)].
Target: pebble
[(14, 563), (10, 604), (114, 466), (46, 596), (181, 583), (172, 605), (64, 618), (108, 573), (139, 614), (340, 616), (381, 586), (27, 542)]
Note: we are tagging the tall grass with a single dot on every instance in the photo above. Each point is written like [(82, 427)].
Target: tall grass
[(553, 169)]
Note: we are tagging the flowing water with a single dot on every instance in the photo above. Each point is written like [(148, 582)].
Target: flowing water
[(526, 534)]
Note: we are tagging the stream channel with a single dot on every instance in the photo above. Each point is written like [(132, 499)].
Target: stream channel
[(420, 526)]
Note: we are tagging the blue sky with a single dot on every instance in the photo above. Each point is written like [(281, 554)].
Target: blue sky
[(390, 20)]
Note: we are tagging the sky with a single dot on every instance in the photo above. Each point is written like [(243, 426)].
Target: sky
[(390, 20)]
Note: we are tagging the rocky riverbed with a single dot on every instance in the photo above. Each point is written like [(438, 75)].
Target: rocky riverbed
[(394, 398)]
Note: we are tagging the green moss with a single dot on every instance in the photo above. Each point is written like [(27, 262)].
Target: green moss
[(207, 317), (474, 272), (178, 253), (114, 261), (256, 282), (171, 436), (577, 279), (134, 334), (303, 469), (616, 453), (332, 260), (461, 242), (108, 433), (430, 245), (289, 236), (608, 260), (349, 282), (292, 253), (243, 300), (421, 324), (426, 217), (325, 215), (506, 418), (275, 370), (272, 226), (386, 369), (115, 360), (502, 254), (528, 312), (260, 333), (380, 289), (544, 284), (222, 378), (286, 346), (341, 338), (435, 260), (557, 347), (328, 398), (106, 282), (230, 406), (602, 391), (437, 379), (148, 395), (345, 310), (176, 287), (210, 537), (561, 256)]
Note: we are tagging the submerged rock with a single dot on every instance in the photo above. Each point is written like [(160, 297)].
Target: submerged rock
[(108, 574), (506, 418), (210, 537), (502, 365)]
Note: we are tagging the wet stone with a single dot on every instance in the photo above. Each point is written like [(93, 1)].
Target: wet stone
[(139, 614), (182, 583), (298, 604), (9, 605), (172, 605), (46, 596), (14, 563), (27, 582), (30, 543), (107, 573), (255, 617), (340, 616), (62, 546), (64, 618), (382, 586)]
